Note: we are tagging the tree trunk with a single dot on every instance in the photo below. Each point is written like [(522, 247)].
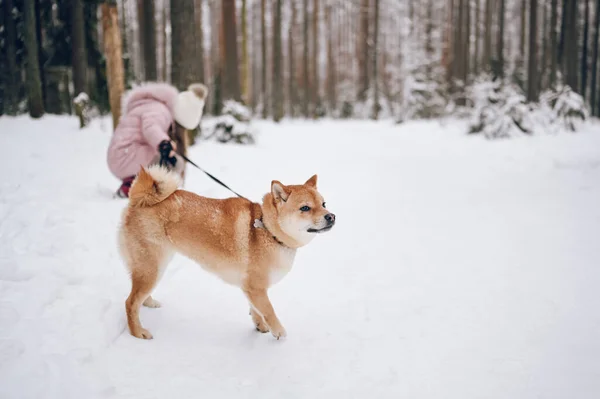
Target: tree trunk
[(114, 58), (487, 43), (305, 83), (467, 42), (330, 61), (263, 25), (447, 52), (13, 79), (477, 37), (523, 35), (315, 59), (363, 51), (231, 76), (571, 47), (165, 44), (553, 43), (40, 51), (595, 93), (33, 77), (198, 17), (532, 78), (245, 82), (375, 54), (184, 70), (277, 64), (79, 60), (500, 49), (584, 51), (291, 61), (148, 39), (563, 30)]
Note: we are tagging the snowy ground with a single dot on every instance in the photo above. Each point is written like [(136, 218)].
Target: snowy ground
[(460, 268)]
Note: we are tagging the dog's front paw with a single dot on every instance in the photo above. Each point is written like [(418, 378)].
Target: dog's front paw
[(142, 333), (278, 332)]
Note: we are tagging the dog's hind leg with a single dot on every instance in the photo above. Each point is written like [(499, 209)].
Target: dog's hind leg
[(145, 274)]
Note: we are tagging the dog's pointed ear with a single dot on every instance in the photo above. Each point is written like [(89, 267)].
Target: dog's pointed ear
[(279, 191), (312, 182)]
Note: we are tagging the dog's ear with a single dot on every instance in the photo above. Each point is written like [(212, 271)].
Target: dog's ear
[(312, 182), (279, 191)]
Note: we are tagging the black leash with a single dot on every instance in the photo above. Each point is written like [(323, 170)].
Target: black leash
[(211, 176)]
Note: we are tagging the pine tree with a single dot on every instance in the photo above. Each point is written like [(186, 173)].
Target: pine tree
[(245, 81), (595, 90), (584, 52), (79, 60), (114, 58), (375, 55), (553, 43), (184, 70), (277, 64), (532, 78), (363, 51), (12, 76), (148, 39), (33, 77), (263, 27)]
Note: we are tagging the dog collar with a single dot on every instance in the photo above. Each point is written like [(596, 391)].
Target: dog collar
[(258, 223)]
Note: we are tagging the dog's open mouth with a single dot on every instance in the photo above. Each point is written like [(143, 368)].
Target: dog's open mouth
[(322, 230)]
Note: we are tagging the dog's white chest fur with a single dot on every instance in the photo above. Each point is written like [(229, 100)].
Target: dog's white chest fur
[(282, 266)]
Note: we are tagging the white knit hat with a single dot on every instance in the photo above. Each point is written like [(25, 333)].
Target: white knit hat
[(188, 107)]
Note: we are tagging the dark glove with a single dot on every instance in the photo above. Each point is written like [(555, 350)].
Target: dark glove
[(165, 148)]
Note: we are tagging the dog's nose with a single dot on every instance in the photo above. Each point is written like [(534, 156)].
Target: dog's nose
[(330, 217)]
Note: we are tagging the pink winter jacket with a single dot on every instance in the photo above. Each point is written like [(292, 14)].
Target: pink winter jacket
[(146, 116)]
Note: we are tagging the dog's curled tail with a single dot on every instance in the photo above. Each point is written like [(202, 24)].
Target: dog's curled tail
[(153, 185)]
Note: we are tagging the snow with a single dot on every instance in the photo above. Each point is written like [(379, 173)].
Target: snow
[(459, 268)]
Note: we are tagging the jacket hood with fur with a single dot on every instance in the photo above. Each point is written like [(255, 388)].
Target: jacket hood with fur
[(152, 91)]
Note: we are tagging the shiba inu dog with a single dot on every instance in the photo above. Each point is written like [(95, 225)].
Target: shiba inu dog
[(247, 244)]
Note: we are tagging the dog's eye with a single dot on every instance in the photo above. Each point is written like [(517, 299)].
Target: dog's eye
[(324, 205), (305, 208)]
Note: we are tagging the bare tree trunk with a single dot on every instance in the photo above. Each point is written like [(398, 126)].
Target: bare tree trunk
[(584, 51), (114, 58), (184, 70), (13, 80), (79, 60), (477, 37), (245, 82), (277, 64), (487, 44), (265, 103), (563, 30), (306, 88), (315, 59), (198, 16), (330, 62), (553, 43), (375, 54), (33, 77), (231, 76), (448, 51), (532, 78), (363, 51), (256, 54), (571, 72), (467, 42), (165, 43), (291, 61), (523, 28), (595, 89), (148, 40), (500, 49)]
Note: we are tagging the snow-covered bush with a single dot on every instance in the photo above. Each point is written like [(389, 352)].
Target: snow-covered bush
[(232, 126), (423, 98), (500, 109), (563, 109)]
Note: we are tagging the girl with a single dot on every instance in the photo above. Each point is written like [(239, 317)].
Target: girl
[(153, 116)]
